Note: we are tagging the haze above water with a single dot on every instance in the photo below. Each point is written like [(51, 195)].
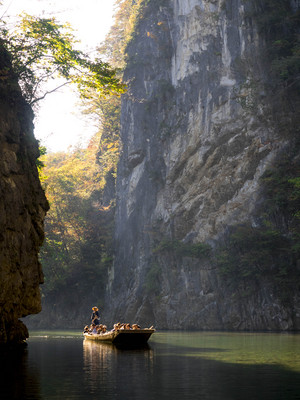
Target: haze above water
[(176, 365)]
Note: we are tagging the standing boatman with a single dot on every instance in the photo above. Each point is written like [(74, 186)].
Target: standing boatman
[(95, 317)]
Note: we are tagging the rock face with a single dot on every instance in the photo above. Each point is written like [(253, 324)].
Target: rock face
[(198, 132), (22, 209)]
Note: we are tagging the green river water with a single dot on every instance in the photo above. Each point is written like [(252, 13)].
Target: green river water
[(175, 365)]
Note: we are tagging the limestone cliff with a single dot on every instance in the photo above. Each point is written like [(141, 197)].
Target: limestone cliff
[(22, 209), (199, 129)]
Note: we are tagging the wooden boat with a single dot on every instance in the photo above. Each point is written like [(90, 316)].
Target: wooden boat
[(123, 337)]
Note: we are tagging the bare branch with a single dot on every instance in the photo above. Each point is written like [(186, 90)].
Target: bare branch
[(48, 92), (43, 79)]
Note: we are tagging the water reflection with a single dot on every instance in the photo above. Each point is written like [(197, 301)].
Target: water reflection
[(109, 369), (18, 378)]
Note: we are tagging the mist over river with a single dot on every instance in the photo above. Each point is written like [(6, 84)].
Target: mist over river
[(175, 365)]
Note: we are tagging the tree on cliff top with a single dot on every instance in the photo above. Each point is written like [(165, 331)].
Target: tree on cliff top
[(41, 49)]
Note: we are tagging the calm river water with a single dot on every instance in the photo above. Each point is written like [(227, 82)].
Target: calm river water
[(176, 365)]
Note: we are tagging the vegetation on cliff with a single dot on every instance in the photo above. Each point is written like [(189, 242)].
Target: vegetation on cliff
[(268, 250), (78, 243), (278, 21), (78, 246)]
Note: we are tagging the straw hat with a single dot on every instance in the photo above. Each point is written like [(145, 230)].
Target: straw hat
[(95, 308)]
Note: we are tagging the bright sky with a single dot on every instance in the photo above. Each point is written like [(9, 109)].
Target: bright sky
[(59, 123)]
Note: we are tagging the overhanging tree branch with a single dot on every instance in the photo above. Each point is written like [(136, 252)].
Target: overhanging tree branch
[(42, 48)]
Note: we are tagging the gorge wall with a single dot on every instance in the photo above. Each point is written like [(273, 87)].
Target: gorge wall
[(200, 128), (22, 209)]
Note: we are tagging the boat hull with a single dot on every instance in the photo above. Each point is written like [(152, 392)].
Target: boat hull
[(123, 337)]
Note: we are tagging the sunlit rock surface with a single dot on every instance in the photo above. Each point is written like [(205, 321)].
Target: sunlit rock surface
[(197, 133), (22, 209)]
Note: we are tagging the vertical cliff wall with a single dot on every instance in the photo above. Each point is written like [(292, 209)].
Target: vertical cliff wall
[(22, 209), (198, 131)]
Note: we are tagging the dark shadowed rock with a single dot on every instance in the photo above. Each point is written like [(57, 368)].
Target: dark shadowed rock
[(22, 209)]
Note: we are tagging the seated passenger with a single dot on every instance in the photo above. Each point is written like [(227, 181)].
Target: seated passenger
[(117, 326), (94, 330), (86, 329)]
